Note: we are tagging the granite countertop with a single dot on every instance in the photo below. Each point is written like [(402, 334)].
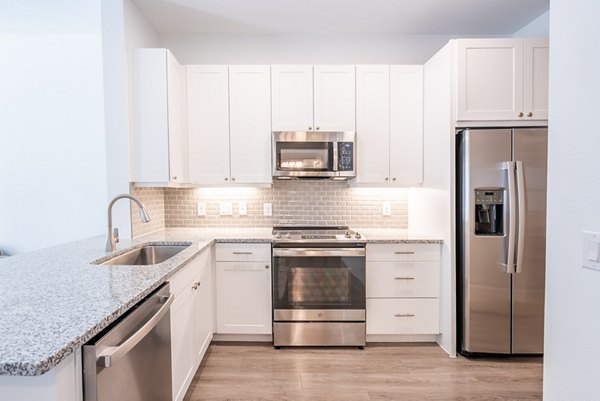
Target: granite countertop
[(54, 300), (396, 236)]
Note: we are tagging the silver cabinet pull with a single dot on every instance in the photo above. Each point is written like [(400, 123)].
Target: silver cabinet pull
[(404, 278), (196, 285), (113, 354), (404, 315), (232, 178), (174, 177), (318, 128), (309, 128), (530, 114), (243, 253), (387, 178), (226, 179), (404, 253), (266, 266), (394, 179), (521, 114)]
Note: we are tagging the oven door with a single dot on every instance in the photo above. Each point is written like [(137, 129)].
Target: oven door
[(319, 284)]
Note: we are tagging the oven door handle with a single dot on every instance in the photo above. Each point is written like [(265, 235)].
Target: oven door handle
[(318, 252)]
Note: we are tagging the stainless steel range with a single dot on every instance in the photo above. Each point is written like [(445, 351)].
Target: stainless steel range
[(318, 286)]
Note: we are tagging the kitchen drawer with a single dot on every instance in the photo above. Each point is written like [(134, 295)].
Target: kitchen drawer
[(403, 279), (403, 252), (190, 271), (243, 253), (403, 316)]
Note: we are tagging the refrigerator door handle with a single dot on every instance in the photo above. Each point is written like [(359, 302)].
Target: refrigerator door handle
[(521, 206), (512, 218)]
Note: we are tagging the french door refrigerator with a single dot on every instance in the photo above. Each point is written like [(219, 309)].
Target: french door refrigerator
[(501, 240)]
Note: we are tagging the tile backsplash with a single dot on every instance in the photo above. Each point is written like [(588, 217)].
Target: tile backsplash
[(305, 202), (154, 203)]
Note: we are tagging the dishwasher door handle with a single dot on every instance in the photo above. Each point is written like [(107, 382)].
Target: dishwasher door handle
[(112, 354)]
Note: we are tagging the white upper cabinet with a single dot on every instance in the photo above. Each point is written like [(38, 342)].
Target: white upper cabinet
[(502, 79), (229, 124), (535, 79), (406, 124), (319, 98), (334, 98), (208, 123), (373, 123), (250, 124), (389, 118), (158, 117), (292, 94)]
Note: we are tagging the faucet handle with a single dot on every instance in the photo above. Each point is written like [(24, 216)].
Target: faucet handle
[(116, 234)]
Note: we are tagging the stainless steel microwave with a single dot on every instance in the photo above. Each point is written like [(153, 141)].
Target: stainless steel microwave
[(314, 155)]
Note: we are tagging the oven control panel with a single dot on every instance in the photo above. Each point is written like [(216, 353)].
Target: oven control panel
[(345, 156)]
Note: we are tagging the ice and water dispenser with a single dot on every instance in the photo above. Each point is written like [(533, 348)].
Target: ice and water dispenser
[(489, 205)]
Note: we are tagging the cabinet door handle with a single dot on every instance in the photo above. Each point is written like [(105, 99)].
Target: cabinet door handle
[(196, 285), (404, 253), (232, 178), (404, 315), (387, 178), (174, 177), (521, 114), (266, 266), (404, 278), (243, 253), (394, 179), (318, 128), (309, 128), (226, 179), (530, 114)]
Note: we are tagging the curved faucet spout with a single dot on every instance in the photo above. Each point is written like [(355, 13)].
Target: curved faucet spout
[(113, 237)]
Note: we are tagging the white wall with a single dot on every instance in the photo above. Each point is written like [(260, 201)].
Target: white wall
[(572, 349), (52, 149), (124, 28), (303, 49), (539, 27)]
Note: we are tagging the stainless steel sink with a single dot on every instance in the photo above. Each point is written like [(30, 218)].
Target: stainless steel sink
[(147, 255)]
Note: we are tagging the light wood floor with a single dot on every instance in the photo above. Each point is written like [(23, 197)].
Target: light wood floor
[(397, 372)]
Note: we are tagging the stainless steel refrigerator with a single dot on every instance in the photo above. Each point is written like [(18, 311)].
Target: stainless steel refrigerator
[(501, 240)]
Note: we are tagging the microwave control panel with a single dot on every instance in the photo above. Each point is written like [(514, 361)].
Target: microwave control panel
[(345, 156)]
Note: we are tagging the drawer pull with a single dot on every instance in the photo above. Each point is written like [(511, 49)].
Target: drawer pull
[(243, 253), (404, 253), (404, 278), (404, 315)]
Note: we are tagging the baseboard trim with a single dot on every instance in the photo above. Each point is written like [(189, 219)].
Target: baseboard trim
[(401, 338), (266, 338)]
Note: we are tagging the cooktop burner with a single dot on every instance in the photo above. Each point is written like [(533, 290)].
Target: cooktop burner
[(313, 234)]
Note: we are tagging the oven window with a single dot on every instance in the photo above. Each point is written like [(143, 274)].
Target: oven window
[(302, 156), (319, 283)]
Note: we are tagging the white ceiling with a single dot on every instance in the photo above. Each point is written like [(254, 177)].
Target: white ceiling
[(455, 17)]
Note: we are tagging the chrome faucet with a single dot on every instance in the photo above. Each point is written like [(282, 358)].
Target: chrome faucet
[(113, 236)]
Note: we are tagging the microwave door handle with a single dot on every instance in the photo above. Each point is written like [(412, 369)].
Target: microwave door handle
[(335, 156)]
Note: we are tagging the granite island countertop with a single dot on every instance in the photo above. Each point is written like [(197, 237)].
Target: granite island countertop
[(54, 300)]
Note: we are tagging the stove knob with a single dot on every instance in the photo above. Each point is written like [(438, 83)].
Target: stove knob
[(288, 236), (347, 235), (358, 236)]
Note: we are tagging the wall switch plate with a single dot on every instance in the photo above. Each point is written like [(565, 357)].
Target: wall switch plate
[(201, 209), (386, 209), (242, 208), (591, 250), (267, 209), (225, 209)]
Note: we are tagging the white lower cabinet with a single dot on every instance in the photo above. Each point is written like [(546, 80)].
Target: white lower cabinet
[(243, 283), (403, 287), (191, 320)]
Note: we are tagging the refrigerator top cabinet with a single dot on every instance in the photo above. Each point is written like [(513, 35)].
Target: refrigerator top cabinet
[(501, 198)]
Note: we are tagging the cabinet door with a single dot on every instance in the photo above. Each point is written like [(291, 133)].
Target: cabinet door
[(406, 124), (202, 310), (244, 298), (182, 356), (292, 97), (149, 115), (335, 98), (535, 79), (208, 124), (489, 79), (178, 166), (250, 124), (373, 123)]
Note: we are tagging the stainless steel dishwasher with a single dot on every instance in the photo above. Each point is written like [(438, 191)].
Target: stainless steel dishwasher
[(131, 360)]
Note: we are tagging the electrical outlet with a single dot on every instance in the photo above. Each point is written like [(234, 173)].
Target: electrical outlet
[(201, 209), (242, 208), (225, 209), (267, 209), (386, 209)]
